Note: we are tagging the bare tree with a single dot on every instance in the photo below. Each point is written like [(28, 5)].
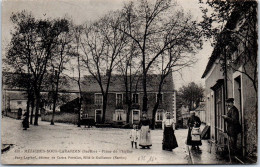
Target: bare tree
[(156, 28), (173, 60), (31, 47), (77, 41), (61, 55), (129, 68), (20, 48), (102, 44)]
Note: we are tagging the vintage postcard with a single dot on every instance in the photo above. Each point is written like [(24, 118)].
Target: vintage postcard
[(121, 82)]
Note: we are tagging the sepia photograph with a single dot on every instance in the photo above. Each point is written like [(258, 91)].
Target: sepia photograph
[(129, 82)]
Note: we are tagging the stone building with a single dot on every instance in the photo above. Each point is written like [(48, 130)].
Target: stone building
[(117, 108)]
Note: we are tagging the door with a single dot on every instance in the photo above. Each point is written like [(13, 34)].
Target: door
[(98, 116), (135, 116), (219, 111)]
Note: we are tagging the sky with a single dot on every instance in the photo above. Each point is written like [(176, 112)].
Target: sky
[(86, 10)]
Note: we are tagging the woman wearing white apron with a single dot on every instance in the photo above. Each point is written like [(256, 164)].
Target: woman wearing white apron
[(145, 133)]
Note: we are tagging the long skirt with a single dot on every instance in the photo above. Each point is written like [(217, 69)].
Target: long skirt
[(25, 123), (189, 140), (145, 137), (169, 139)]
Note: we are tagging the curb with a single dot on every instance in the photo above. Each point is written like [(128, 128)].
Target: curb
[(5, 147)]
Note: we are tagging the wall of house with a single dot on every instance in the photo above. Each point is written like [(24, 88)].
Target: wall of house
[(16, 104), (247, 108), (89, 105), (211, 79), (250, 114)]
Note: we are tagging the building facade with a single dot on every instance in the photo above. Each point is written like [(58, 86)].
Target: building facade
[(227, 75), (117, 106)]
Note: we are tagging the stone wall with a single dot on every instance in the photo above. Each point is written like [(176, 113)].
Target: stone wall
[(61, 117)]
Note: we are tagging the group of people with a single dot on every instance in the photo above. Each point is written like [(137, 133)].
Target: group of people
[(144, 137), (194, 133), (169, 140)]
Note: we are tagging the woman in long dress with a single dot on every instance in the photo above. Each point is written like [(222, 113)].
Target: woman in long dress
[(169, 139), (145, 133), (25, 121), (193, 122)]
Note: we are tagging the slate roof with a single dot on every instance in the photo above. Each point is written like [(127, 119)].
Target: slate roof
[(89, 84), (16, 96)]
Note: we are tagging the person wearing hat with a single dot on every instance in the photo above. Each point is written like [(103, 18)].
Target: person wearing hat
[(193, 122), (233, 125), (169, 139), (145, 133)]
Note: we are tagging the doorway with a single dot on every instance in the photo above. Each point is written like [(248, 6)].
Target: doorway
[(98, 116), (135, 116)]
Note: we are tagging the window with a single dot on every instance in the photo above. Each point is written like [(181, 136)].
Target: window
[(19, 102), (159, 115), (160, 97), (98, 99), (120, 115), (119, 99), (135, 98)]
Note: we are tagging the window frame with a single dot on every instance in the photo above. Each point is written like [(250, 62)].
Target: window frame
[(122, 102), (96, 98), (157, 97), (121, 112), (139, 115), (162, 111), (134, 98)]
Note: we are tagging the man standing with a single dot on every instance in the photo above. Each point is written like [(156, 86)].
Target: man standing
[(233, 125)]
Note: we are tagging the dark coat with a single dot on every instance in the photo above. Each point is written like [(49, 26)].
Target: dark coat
[(144, 122), (25, 120), (233, 125), (193, 121)]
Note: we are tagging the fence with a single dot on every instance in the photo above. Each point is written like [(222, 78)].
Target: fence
[(11, 114), (61, 117)]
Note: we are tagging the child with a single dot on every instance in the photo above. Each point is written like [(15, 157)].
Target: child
[(134, 136)]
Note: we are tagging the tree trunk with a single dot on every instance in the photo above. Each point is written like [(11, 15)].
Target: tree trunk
[(128, 114), (79, 108), (55, 99), (28, 108), (32, 104), (145, 99), (53, 109), (38, 101), (154, 113), (104, 109)]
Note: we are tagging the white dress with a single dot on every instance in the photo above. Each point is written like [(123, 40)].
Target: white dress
[(134, 135)]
